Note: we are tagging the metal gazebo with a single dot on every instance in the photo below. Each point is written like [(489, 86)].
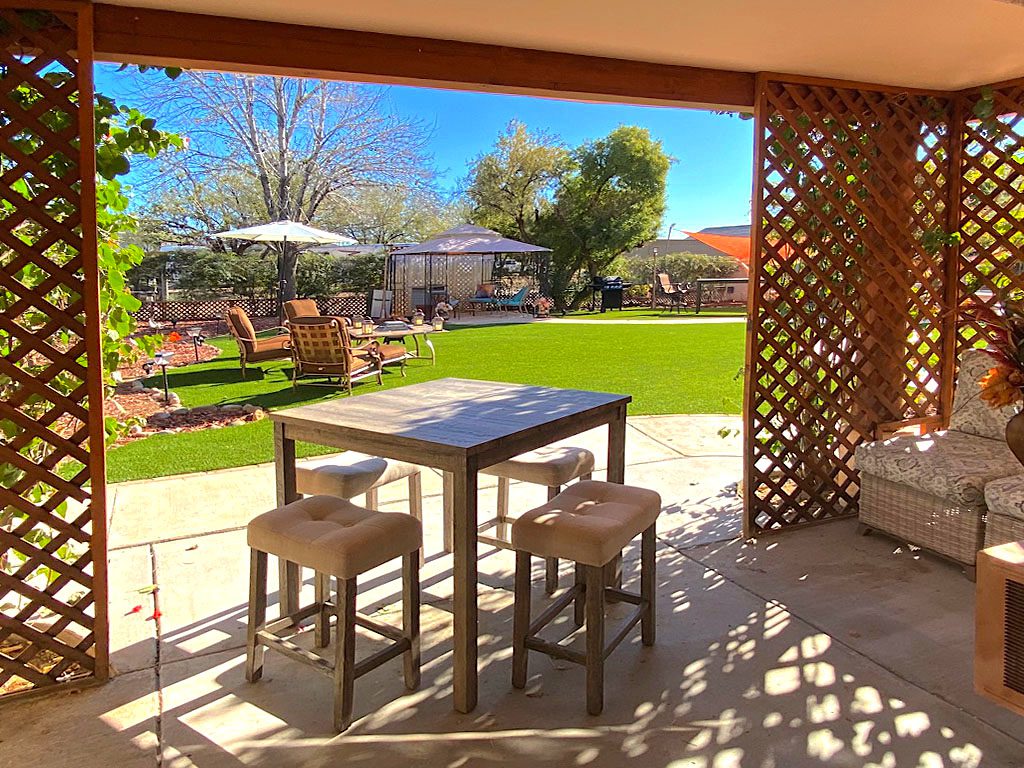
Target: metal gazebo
[(454, 263)]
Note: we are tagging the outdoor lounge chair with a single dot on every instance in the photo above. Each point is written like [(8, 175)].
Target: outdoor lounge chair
[(251, 348), (676, 295), (516, 302), (322, 347), (482, 300)]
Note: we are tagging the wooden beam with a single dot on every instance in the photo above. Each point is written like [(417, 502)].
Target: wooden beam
[(146, 36)]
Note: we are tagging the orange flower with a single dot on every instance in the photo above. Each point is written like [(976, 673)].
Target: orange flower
[(1002, 386), (174, 336)]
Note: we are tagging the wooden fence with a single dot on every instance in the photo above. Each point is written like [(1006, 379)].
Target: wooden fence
[(216, 309)]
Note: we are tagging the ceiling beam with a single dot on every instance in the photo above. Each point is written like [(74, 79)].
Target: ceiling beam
[(145, 36)]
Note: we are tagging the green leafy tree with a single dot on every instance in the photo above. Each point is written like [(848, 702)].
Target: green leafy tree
[(612, 199), (510, 187), (681, 267), (390, 214)]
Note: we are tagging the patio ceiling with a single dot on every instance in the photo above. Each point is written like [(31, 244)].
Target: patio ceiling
[(943, 44)]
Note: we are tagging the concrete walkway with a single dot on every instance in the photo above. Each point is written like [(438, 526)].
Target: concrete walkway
[(817, 647)]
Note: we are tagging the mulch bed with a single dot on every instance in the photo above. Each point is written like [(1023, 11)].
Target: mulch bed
[(147, 406)]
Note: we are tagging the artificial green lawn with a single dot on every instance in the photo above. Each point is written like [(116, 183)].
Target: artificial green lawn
[(667, 369)]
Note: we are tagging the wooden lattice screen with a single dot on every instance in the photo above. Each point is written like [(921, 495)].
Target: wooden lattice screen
[(848, 289), (991, 204), (52, 529)]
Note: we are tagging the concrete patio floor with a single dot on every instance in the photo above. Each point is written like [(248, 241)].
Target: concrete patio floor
[(815, 647)]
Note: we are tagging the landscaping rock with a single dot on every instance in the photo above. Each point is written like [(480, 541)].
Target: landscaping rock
[(180, 411), (135, 429), (174, 399), (237, 422), (231, 407), (161, 416), (137, 386), (250, 408), (166, 432), (258, 415)]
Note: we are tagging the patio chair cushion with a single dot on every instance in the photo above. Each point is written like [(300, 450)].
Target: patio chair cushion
[(1006, 497), (270, 348), (970, 413), (550, 466), (301, 308), (349, 474), (334, 536), (948, 464), (388, 352), (590, 522)]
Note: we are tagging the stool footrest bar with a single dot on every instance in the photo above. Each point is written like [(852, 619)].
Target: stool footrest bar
[(294, 652), (554, 609), (380, 657), (632, 621), (555, 650)]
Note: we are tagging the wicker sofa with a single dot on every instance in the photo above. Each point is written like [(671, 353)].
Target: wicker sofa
[(929, 490), (1005, 501)]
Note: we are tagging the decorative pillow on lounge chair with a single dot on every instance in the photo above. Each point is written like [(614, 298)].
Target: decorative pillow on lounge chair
[(484, 291)]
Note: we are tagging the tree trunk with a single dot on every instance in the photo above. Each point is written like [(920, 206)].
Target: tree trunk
[(289, 266)]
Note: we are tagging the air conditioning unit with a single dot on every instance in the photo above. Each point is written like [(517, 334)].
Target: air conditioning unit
[(999, 626)]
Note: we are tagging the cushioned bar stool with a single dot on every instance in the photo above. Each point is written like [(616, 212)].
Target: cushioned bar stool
[(356, 474), (553, 467), (335, 538), (589, 523)]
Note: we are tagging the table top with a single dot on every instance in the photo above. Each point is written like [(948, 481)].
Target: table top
[(413, 330), (462, 414)]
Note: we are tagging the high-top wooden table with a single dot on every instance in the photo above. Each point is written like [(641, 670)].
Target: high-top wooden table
[(459, 426)]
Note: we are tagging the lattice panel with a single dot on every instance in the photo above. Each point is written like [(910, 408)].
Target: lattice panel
[(991, 200), (848, 297), (50, 592)]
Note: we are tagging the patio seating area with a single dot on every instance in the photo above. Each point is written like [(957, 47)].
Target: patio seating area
[(755, 664)]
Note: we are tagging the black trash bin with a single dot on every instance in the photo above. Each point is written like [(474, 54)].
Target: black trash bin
[(611, 289)]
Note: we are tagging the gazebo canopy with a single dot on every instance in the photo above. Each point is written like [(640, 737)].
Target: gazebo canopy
[(469, 239)]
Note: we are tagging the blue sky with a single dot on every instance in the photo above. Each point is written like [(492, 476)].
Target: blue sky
[(708, 184)]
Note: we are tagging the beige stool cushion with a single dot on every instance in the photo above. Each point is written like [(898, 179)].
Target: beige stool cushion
[(550, 466), (590, 522), (334, 536), (349, 474)]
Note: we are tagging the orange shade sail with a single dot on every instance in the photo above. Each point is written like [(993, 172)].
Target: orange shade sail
[(737, 246)]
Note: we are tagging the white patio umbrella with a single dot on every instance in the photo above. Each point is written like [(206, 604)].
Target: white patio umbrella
[(285, 232)]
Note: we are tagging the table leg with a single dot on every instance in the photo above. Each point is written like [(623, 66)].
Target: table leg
[(616, 474), (464, 510), (617, 447), (430, 346), (284, 467)]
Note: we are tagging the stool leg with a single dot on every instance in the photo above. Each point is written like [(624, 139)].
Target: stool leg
[(503, 493), (551, 563), (289, 585), (520, 619), (647, 585), (580, 603), (322, 627), (416, 502), (345, 654), (371, 499), (411, 617), (254, 650), (595, 639)]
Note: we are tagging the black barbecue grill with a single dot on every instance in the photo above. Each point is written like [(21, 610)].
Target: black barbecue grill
[(611, 289)]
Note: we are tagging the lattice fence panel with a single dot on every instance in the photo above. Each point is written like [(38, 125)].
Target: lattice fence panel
[(50, 590), (848, 294), (991, 200)]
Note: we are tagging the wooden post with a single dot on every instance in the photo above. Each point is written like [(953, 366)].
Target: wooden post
[(595, 638), (521, 619), (411, 618)]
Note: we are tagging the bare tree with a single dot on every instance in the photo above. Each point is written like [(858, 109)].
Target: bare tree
[(299, 143)]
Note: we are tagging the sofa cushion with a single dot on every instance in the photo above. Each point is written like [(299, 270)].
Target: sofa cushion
[(970, 413), (948, 464), (1006, 496)]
